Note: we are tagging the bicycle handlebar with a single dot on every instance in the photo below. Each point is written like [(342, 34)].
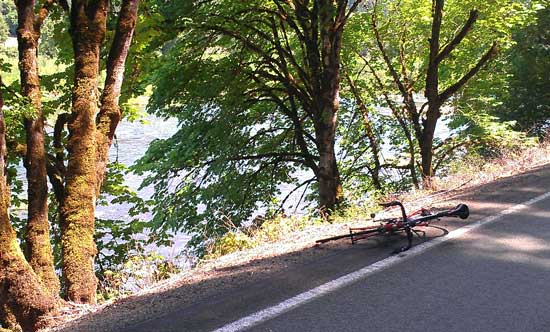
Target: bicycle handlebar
[(461, 211), (392, 203)]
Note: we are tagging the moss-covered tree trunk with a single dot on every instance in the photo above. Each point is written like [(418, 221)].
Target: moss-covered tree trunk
[(88, 25), (37, 237), (109, 115), (22, 295), (90, 137)]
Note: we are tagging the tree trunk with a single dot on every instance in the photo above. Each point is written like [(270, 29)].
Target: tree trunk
[(21, 291), (426, 150), (435, 97), (332, 18), (38, 248), (330, 186), (425, 139), (88, 25), (109, 115)]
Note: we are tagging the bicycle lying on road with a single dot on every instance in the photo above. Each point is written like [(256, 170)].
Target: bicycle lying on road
[(406, 223)]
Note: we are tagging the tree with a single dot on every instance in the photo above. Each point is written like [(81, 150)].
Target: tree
[(528, 100), (37, 235), (27, 293), (259, 101), (23, 300), (87, 144), (402, 64)]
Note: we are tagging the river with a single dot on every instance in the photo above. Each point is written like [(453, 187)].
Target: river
[(131, 143)]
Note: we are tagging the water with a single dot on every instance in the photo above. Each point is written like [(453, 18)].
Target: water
[(133, 139), (131, 143)]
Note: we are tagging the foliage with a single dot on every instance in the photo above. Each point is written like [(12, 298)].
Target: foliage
[(138, 272), (8, 14), (4, 31), (117, 239), (528, 99), (247, 123), (285, 229), (53, 36), (404, 29), (230, 242), (262, 230)]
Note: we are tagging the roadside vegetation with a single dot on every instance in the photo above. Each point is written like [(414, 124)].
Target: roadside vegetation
[(469, 172), (295, 118)]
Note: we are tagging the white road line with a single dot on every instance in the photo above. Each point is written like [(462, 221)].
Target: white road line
[(331, 286)]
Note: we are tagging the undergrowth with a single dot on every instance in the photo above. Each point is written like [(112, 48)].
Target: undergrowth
[(475, 170), (285, 228), (141, 271)]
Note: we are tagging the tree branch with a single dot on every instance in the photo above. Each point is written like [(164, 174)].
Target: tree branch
[(42, 14), (448, 151), (447, 93), (382, 49), (281, 206), (109, 113), (458, 38)]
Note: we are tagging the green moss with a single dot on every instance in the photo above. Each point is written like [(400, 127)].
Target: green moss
[(78, 225), (29, 300)]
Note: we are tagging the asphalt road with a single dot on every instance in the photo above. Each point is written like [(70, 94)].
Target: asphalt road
[(495, 278)]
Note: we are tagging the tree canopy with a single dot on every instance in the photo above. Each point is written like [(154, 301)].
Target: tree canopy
[(242, 79)]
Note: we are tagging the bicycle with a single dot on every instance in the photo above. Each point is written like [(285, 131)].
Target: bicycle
[(406, 224)]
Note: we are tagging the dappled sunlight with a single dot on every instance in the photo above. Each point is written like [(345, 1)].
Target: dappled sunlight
[(523, 243), (519, 249), (490, 205)]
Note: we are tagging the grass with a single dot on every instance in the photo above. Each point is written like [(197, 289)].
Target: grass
[(283, 234), (475, 170)]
